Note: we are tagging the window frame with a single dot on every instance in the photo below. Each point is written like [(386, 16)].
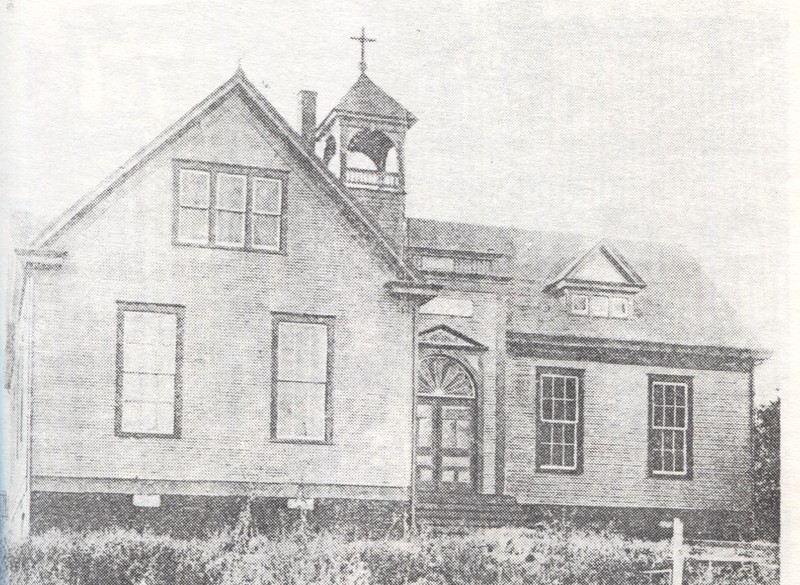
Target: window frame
[(541, 371), (215, 169), (687, 381), (180, 314), (586, 299), (303, 318)]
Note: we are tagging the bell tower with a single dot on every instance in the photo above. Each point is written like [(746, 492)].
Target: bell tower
[(361, 141)]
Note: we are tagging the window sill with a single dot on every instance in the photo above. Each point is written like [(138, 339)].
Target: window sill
[(125, 435), (301, 441), (229, 248), (559, 470), (670, 476)]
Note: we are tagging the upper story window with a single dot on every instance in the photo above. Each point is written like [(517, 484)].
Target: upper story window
[(670, 426), (149, 355), (301, 388), (228, 206), (559, 424), (599, 305)]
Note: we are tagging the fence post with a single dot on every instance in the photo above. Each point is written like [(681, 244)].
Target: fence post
[(677, 551)]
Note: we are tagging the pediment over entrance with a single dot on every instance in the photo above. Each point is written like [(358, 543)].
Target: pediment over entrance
[(444, 336)]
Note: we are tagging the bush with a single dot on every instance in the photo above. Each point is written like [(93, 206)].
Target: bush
[(552, 554), (767, 471)]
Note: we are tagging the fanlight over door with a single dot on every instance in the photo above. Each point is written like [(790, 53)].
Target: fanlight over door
[(445, 425)]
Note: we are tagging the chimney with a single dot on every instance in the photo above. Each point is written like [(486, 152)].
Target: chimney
[(308, 117)]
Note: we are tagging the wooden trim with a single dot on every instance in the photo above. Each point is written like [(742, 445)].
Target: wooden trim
[(569, 348), (688, 381), (328, 321), (131, 485), (579, 374), (214, 169), (180, 313)]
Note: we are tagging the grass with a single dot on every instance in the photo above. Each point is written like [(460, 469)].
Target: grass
[(552, 554)]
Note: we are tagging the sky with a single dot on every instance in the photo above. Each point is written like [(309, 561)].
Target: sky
[(635, 119)]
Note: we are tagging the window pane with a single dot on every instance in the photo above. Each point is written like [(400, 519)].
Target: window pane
[(148, 388), (425, 474), (571, 388), (571, 411), (231, 191), (448, 475), (547, 409), (230, 227), (448, 433), (600, 306), (150, 328), (193, 225), (303, 352), (558, 410), (558, 387), (301, 411), (195, 188), (149, 359), (267, 196), (266, 231), (165, 421), (463, 434)]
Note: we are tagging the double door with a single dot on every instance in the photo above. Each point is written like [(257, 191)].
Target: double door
[(446, 453)]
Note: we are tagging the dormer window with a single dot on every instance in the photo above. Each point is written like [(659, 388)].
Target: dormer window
[(599, 305)]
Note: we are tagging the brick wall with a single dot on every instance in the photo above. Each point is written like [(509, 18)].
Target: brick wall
[(615, 441), (122, 250)]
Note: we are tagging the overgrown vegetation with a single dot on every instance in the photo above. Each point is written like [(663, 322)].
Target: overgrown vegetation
[(552, 554), (767, 471)]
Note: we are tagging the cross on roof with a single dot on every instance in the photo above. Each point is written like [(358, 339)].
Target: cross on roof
[(363, 40)]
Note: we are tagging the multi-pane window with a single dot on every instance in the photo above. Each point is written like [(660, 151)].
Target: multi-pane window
[(229, 206), (559, 425), (599, 305), (149, 354), (670, 426), (301, 378)]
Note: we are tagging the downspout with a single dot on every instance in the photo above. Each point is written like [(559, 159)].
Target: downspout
[(414, 368)]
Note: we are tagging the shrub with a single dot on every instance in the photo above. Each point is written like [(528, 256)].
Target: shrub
[(551, 554)]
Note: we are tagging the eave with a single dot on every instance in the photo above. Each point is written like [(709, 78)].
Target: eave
[(420, 292)]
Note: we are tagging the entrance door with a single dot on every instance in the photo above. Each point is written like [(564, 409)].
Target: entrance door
[(446, 449)]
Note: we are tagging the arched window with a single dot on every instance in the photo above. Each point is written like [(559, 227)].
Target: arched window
[(441, 375)]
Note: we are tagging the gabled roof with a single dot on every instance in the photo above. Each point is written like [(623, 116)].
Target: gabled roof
[(444, 336), (603, 265), (679, 305), (333, 186), (365, 97)]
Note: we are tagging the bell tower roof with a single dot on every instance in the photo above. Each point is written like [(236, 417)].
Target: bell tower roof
[(366, 98)]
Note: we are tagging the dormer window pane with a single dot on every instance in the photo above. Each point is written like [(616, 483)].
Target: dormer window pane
[(580, 304), (620, 308), (600, 306)]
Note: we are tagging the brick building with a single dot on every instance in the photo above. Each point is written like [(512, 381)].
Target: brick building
[(244, 311)]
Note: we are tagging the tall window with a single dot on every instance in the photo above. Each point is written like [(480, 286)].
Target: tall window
[(670, 437), (302, 378), (559, 425), (229, 206), (149, 355)]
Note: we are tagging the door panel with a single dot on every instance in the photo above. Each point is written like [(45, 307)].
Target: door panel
[(446, 451)]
